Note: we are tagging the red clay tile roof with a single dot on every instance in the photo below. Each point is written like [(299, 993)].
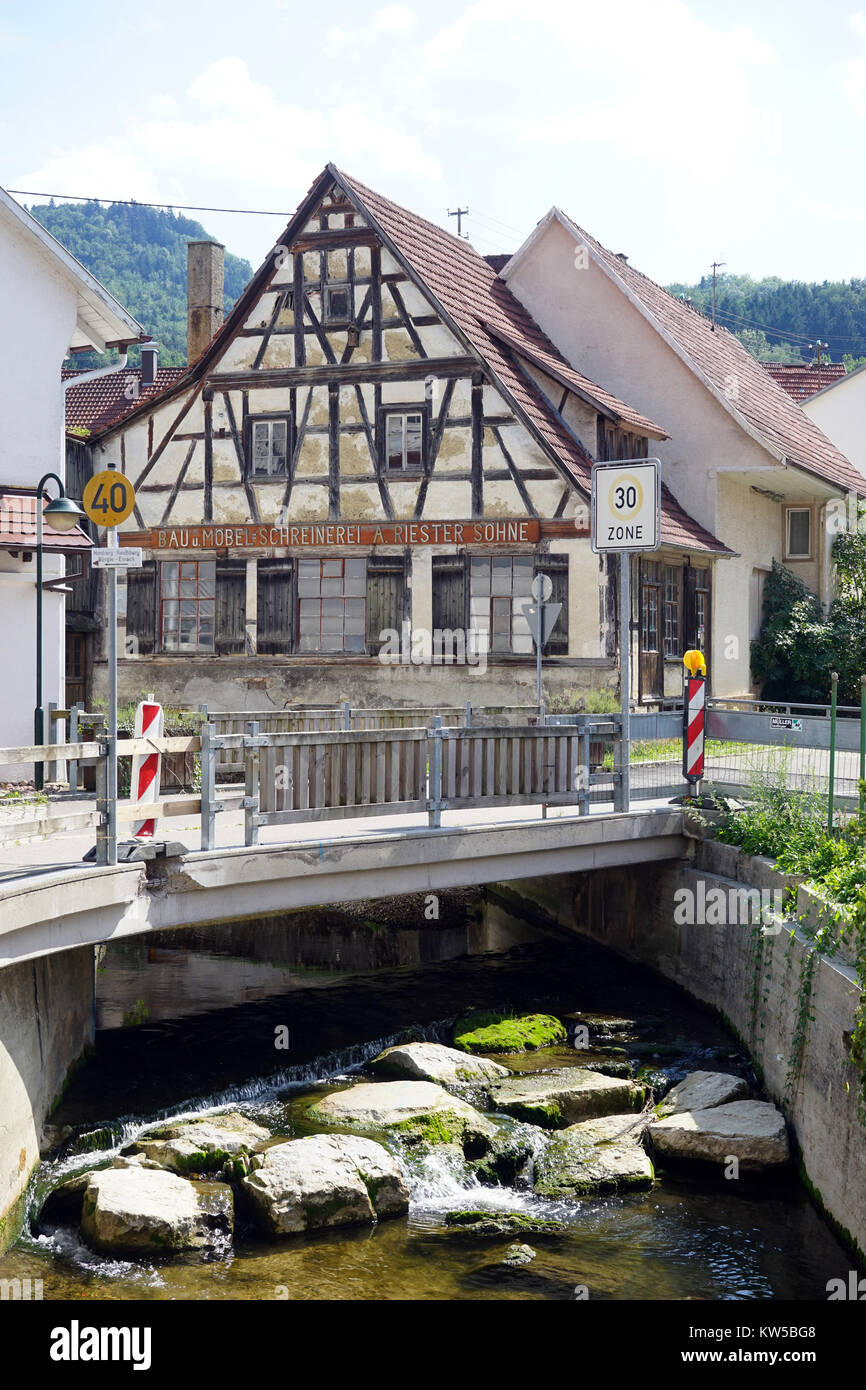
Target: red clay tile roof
[(18, 525), (801, 380), (554, 365), (725, 365), (96, 404)]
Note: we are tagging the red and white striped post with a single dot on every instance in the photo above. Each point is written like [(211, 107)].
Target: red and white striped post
[(146, 767), (694, 717)]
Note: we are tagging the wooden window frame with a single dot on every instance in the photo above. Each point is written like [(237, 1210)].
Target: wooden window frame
[(677, 605), (403, 408), (162, 600), (274, 417), (787, 534), (341, 650), (492, 599), (337, 287)]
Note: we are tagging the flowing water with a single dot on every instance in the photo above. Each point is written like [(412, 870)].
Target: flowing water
[(187, 1024)]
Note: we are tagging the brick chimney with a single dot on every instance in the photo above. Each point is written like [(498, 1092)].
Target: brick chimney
[(205, 266)]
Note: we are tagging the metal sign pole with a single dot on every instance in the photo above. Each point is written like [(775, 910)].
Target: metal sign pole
[(111, 809), (625, 676)]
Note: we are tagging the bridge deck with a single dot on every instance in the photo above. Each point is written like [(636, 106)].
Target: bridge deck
[(50, 901)]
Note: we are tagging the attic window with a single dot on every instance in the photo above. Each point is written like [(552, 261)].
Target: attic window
[(337, 301)]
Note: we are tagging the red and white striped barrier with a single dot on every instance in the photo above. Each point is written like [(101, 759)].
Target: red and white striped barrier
[(694, 714), (146, 767)]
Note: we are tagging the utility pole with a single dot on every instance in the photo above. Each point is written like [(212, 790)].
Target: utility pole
[(717, 265), (817, 347), (460, 213)]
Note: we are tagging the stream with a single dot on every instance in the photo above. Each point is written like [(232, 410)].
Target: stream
[(187, 1023)]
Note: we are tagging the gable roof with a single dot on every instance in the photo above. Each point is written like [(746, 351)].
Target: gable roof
[(96, 404), (100, 319), (761, 407), (802, 380), (481, 311), (555, 366)]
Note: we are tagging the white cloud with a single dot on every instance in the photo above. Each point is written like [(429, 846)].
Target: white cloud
[(854, 79), (393, 19), (234, 142)]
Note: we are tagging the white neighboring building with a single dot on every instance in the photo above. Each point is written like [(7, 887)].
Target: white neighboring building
[(742, 458), (51, 306), (839, 410)]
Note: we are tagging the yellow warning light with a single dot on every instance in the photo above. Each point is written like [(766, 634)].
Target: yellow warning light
[(694, 662)]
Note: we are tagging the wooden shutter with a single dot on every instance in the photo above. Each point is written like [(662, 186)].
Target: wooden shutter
[(449, 593), (141, 609), (556, 568), (386, 587), (275, 631), (231, 603)]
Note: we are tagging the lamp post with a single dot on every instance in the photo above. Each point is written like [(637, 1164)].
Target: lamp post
[(62, 515)]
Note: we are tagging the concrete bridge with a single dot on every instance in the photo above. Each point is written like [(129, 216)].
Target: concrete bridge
[(59, 909)]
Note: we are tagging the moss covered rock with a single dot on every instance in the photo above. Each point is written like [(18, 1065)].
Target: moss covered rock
[(501, 1223), (207, 1145), (497, 1032), (558, 1098), (416, 1111), (577, 1164)]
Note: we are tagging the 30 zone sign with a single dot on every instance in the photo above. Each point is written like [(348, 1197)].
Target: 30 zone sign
[(626, 503), (108, 498)]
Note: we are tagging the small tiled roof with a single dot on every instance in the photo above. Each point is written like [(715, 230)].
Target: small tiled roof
[(802, 380), (735, 377), (100, 402), (555, 365), (18, 524)]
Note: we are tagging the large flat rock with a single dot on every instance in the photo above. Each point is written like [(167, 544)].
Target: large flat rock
[(427, 1061), (701, 1090), (144, 1211), (326, 1180), (577, 1163), (558, 1098), (751, 1131), (419, 1110)]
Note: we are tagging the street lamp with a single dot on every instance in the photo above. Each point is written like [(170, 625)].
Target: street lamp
[(62, 515)]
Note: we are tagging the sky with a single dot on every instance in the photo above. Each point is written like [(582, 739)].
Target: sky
[(677, 131)]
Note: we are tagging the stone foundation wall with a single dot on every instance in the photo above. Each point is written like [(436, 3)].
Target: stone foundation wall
[(753, 982), (46, 1027)]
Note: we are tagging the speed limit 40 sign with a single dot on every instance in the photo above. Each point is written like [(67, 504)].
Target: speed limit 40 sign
[(109, 498), (626, 505)]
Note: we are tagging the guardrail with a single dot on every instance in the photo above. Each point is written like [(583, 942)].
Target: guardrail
[(348, 718), (328, 775), (325, 773)]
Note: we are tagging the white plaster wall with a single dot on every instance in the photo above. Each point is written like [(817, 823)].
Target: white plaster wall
[(39, 311), (841, 414)]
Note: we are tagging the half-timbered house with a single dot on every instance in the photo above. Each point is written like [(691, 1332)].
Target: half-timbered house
[(379, 447)]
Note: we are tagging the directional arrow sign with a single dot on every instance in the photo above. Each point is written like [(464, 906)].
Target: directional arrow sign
[(541, 618)]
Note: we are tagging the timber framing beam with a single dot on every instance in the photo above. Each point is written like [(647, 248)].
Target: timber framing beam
[(345, 374)]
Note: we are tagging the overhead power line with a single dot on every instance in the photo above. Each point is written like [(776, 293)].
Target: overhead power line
[(142, 203)]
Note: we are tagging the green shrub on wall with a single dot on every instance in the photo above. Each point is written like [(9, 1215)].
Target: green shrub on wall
[(800, 644)]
